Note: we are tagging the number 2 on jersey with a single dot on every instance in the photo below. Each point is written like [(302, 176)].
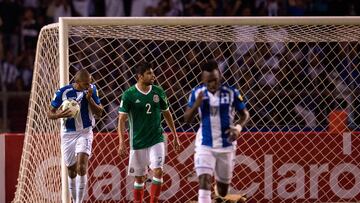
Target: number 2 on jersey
[(148, 106)]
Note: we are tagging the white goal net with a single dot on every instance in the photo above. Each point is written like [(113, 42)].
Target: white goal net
[(300, 78)]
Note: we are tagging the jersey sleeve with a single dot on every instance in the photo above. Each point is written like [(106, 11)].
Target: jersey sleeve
[(95, 95), (191, 99), (164, 104), (124, 103), (238, 101), (57, 99)]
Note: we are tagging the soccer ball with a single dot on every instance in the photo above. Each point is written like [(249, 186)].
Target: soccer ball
[(72, 105)]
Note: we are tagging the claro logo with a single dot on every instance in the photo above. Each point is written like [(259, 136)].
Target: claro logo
[(307, 180)]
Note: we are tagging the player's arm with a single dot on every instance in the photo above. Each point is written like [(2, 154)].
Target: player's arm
[(236, 129), (55, 113), (121, 132), (94, 102), (124, 109), (244, 118), (244, 115), (192, 107), (170, 122), (164, 105), (241, 108)]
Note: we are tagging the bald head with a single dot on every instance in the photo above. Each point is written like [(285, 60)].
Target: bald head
[(82, 79)]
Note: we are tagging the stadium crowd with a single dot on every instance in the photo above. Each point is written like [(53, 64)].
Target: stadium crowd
[(21, 21)]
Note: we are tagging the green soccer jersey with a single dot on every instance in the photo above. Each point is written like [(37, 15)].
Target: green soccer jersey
[(144, 114)]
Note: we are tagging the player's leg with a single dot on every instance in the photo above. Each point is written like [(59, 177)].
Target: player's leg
[(138, 162), (139, 185), (204, 188), (157, 158), (223, 173), (204, 166), (72, 181), (81, 178), (68, 151), (83, 152)]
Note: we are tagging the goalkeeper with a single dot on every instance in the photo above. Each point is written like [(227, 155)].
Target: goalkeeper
[(76, 132), (216, 138)]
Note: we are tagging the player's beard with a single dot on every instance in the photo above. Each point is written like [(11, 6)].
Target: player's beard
[(150, 82)]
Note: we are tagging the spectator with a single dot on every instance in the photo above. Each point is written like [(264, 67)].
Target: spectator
[(166, 8), (138, 7), (26, 68), (261, 9), (81, 7), (29, 30), (114, 8), (273, 7), (9, 72), (318, 82), (111, 115), (232, 7), (204, 7), (59, 8)]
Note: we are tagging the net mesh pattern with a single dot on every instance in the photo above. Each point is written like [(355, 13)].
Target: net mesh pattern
[(294, 78)]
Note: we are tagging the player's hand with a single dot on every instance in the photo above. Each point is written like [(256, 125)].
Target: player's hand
[(176, 144), (89, 93), (122, 150), (64, 113), (199, 99), (233, 132)]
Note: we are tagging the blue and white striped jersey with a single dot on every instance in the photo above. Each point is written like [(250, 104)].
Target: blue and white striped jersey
[(85, 118), (217, 113)]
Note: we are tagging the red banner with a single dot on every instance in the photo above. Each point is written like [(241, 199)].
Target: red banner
[(11, 146), (276, 167), (269, 167)]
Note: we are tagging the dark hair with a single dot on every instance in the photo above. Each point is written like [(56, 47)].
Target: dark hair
[(81, 74), (209, 66), (142, 67)]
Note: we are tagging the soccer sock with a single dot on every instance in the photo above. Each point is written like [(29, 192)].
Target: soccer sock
[(138, 192), (155, 189), (204, 196), (72, 187), (81, 187)]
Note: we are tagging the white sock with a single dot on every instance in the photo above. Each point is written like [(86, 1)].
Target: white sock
[(204, 196), (80, 188), (72, 187)]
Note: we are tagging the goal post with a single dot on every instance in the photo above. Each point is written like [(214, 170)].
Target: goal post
[(299, 77), (64, 79)]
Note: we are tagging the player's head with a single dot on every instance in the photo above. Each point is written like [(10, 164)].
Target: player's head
[(82, 79), (211, 75), (145, 73)]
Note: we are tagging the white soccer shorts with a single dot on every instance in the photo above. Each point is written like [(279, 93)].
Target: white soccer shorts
[(141, 159), (74, 143), (220, 163)]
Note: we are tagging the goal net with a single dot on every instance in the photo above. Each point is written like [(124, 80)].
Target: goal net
[(300, 78)]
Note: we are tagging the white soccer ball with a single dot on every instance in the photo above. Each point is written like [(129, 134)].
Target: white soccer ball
[(72, 105)]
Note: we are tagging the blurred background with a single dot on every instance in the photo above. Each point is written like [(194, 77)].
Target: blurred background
[(21, 21), (265, 68)]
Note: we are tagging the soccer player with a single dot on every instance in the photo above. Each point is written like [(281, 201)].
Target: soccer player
[(76, 133), (215, 144), (143, 104)]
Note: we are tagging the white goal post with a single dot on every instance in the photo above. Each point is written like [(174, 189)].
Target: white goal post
[(300, 78)]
